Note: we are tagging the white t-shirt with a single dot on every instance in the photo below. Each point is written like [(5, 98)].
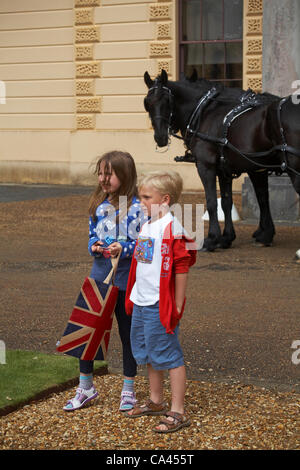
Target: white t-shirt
[(148, 255)]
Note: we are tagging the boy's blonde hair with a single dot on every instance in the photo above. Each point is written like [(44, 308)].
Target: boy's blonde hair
[(165, 182)]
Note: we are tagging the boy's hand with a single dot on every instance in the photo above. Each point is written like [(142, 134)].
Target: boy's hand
[(179, 307), (180, 288)]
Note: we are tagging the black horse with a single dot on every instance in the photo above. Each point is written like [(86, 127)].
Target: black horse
[(225, 130)]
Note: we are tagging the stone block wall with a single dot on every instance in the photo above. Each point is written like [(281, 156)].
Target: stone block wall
[(73, 74)]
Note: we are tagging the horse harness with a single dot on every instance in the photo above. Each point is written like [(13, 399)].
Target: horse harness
[(247, 101)]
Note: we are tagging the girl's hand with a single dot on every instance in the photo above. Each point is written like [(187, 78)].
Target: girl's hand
[(114, 249), (97, 248)]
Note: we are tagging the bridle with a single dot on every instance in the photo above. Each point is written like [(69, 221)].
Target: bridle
[(168, 119)]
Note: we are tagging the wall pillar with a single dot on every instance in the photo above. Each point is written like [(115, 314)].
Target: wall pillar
[(281, 32), (87, 69), (252, 38)]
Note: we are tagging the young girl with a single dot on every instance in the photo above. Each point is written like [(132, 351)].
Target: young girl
[(112, 230)]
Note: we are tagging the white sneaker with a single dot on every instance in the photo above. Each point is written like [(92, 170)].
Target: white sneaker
[(81, 398)]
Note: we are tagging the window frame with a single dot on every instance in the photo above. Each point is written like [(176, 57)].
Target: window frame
[(182, 43)]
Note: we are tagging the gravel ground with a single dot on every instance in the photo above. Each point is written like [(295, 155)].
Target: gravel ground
[(223, 416)]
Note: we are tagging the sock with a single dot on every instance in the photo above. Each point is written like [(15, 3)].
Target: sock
[(86, 381), (128, 385)]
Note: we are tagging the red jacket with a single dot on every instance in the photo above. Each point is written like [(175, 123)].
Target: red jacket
[(176, 258)]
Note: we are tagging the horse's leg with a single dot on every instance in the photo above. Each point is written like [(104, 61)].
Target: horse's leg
[(226, 201), (295, 181), (208, 178), (266, 230)]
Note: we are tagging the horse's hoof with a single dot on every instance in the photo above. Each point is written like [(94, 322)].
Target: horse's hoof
[(261, 244), (206, 249), (210, 245), (225, 245)]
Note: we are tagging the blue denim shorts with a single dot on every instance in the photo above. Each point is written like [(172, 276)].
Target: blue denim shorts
[(150, 343)]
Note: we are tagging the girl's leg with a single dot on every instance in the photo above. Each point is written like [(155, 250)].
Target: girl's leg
[(129, 364), (86, 369), (86, 390), (124, 325)]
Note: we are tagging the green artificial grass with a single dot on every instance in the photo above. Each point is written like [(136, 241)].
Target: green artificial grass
[(28, 373)]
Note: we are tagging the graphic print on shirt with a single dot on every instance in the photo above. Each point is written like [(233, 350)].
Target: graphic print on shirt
[(144, 249)]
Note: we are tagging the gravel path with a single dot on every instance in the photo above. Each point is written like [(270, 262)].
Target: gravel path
[(223, 416)]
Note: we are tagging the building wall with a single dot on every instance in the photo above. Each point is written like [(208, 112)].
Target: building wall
[(116, 41), (73, 71), (37, 67)]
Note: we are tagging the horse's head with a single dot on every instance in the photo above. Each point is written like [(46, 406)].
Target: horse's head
[(158, 103)]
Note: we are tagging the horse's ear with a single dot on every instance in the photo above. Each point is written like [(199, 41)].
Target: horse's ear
[(164, 77), (148, 80)]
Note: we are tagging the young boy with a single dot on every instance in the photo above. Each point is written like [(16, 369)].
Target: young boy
[(155, 297)]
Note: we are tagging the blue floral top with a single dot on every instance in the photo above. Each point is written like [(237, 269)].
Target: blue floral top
[(105, 228)]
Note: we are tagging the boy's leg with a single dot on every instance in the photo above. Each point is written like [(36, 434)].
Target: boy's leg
[(155, 405), (156, 380), (178, 388)]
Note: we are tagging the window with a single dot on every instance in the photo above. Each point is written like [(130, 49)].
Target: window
[(211, 40)]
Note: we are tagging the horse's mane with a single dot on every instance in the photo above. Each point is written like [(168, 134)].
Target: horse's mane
[(227, 93)]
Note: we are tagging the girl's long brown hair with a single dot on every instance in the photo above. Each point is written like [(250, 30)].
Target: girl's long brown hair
[(124, 167)]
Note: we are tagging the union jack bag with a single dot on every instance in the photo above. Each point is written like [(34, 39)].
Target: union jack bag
[(88, 330)]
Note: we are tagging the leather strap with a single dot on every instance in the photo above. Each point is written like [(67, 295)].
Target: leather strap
[(112, 274)]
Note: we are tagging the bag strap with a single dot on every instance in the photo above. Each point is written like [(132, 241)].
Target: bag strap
[(115, 261), (112, 274)]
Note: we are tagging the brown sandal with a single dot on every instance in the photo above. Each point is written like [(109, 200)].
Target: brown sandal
[(179, 421), (148, 409)]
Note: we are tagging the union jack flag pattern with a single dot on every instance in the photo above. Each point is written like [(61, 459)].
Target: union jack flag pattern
[(88, 330)]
